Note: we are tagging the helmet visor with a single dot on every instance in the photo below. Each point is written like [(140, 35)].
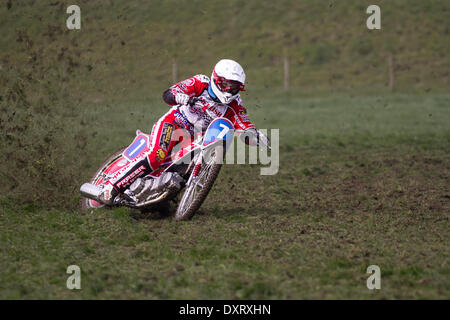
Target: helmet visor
[(229, 86)]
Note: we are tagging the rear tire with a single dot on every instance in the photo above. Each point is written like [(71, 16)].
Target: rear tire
[(85, 202)]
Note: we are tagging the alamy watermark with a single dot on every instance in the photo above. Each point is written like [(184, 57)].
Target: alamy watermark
[(73, 22), (237, 151), (374, 20), (374, 280), (74, 281)]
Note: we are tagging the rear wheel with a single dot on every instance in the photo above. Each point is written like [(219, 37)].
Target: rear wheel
[(198, 190), (87, 204)]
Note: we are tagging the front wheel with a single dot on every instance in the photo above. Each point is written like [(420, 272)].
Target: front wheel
[(198, 190)]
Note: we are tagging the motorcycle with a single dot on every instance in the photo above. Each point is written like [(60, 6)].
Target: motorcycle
[(193, 168)]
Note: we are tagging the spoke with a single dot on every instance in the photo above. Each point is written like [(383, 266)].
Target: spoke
[(186, 198)]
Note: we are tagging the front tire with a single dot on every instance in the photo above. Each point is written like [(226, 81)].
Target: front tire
[(196, 193)]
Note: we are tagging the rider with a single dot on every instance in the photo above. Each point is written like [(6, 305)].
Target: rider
[(215, 97)]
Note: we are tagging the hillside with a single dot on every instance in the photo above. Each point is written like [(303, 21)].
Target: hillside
[(129, 47)]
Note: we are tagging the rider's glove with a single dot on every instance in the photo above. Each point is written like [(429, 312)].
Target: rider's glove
[(254, 137), (181, 98)]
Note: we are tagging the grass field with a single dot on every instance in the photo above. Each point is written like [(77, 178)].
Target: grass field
[(364, 170), (362, 181)]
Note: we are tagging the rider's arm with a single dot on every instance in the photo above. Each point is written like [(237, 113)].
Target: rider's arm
[(181, 92), (243, 126), (238, 115)]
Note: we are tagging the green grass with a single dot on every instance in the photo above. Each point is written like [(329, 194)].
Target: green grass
[(342, 200), (363, 173)]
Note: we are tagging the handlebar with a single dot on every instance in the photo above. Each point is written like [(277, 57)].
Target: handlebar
[(192, 101)]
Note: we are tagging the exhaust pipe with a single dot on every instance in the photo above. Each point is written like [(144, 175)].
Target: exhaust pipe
[(91, 191)]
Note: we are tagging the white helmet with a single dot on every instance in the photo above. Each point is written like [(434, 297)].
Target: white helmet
[(227, 80)]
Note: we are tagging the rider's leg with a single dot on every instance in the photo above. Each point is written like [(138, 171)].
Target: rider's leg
[(161, 144)]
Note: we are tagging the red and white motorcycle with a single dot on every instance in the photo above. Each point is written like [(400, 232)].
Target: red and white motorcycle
[(193, 168)]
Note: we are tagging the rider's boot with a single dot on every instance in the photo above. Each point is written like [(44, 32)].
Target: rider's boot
[(108, 194)]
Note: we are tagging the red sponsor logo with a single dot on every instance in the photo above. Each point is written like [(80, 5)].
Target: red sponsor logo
[(127, 180), (121, 170), (215, 111)]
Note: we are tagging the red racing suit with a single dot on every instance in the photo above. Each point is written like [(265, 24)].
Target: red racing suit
[(186, 117)]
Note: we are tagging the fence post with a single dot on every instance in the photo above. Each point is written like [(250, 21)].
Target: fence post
[(174, 70), (286, 72), (391, 72)]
